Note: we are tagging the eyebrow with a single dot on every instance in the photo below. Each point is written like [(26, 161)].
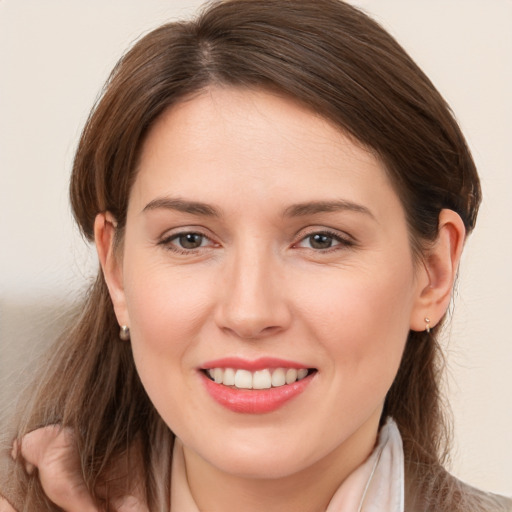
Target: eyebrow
[(315, 207), (294, 210), (181, 205)]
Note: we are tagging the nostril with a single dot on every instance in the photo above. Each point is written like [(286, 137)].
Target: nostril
[(252, 332), (271, 329)]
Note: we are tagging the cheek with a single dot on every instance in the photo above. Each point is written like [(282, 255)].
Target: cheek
[(361, 318), (166, 306), (167, 310)]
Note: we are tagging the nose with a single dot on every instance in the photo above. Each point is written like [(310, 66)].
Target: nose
[(253, 301)]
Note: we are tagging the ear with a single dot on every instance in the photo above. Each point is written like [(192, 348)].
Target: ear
[(105, 227), (437, 274)]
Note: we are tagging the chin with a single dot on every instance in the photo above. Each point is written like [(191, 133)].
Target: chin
[(262, 457), (269, 467)]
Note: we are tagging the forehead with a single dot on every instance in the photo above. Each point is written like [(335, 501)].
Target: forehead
[(229, 143)]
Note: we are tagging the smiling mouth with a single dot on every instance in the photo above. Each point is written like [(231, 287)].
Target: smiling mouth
[(260, 379)]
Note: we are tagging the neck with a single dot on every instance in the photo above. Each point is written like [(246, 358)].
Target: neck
[(308, 490)]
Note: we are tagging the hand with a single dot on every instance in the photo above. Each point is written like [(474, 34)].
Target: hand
[(52, 450)]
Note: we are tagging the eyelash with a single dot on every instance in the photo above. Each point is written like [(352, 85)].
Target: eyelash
[(342, 242), (167, 242)]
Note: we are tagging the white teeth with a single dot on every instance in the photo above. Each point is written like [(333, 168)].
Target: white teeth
[(301, 373), (260, 379), (291, 375), (217, 375), (243, 379), (278, 377), (229, 377)]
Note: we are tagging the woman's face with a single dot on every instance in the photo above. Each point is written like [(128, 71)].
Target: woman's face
[(263, 244)]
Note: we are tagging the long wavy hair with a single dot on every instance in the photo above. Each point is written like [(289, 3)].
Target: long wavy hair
[(343, 66)]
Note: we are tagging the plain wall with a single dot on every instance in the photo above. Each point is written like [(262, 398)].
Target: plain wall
[(54, 58)]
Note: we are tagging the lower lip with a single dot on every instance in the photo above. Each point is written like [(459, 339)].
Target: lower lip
[(255, 401)]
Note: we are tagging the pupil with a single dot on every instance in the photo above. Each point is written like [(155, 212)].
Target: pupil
[(320, 241), (191, 240)]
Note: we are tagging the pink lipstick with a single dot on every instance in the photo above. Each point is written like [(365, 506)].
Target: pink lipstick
[(255, 387)]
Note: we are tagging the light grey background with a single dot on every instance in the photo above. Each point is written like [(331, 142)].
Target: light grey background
[(54, 57)]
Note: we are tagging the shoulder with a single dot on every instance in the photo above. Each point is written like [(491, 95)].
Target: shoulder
[(443, 492), (481, 501)]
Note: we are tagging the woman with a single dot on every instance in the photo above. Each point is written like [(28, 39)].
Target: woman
[(279, 199)]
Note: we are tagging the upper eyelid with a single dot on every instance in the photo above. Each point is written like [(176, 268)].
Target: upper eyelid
[(299, 236), (335, 233), (340, 241), (169, 243), (169, 238), (184, 230)]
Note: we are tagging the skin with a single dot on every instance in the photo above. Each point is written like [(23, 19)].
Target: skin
[(52, 450), (258, 285)]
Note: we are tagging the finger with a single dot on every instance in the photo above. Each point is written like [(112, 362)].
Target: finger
[(14, 451), (53, 451), (69, 496), (35, 444)]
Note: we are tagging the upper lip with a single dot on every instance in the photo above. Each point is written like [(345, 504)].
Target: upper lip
[(252, 365)]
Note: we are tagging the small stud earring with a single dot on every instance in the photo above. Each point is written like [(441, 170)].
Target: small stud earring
[(427, 324), (124, 333)]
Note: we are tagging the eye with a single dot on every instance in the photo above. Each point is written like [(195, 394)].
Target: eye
[(186, 242), (323, 241), (189, 240)]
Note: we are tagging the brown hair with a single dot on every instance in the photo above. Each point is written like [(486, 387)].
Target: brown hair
[(342, 65)]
